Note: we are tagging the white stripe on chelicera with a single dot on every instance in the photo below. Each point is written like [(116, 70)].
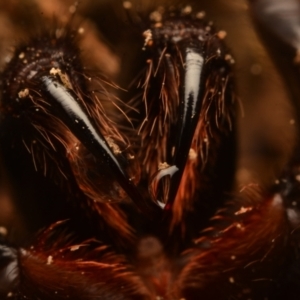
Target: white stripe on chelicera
[(194, 67), (72, 108)]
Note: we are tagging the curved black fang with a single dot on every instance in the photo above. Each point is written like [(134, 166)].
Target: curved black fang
[(81, 126), (190, 109)]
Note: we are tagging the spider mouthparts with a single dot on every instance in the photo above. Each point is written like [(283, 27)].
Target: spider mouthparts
[(80, 124), (194, 104), (190, 106)]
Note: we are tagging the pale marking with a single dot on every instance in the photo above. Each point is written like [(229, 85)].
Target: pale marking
[(161, 204), (194, 67), (169, 171), (73, 109), (165, 170)]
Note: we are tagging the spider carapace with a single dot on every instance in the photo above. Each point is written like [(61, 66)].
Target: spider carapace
[(146, 205)]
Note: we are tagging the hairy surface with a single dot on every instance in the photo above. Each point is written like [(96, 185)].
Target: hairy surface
[(138, 178)]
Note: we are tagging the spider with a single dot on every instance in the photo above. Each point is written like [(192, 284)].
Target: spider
[(136, 173)]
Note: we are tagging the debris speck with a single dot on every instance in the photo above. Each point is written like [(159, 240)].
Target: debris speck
[(148, 38), (192, 154), (49, 260), (127, 4), (229, 58), (73, 8), (187, 10), (63, 77), (200, 15), (156, 16), (81, 30), (74, 248), (231, 279), (115, 148), (3, 231), (222, 34), (21, 55), (23, 93), (243, 210)]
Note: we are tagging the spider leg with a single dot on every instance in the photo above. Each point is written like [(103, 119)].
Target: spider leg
[(55, 267)]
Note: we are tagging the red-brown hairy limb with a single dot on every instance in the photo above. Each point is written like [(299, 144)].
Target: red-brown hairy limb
[(231, 256)]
